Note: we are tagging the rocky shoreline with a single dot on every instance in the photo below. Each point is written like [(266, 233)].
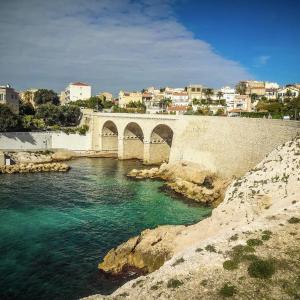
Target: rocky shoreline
[(33, 168), (188, 180), (261, 208)]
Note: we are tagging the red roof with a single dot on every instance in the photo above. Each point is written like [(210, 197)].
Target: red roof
[(178, 108), (80, 83)]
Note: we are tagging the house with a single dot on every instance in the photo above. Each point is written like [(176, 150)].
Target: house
[(126, 97), (9, 97), (107, 96), (76, 91), (271, 90), (289, 91), (248, 87), (228, 95), (240, 103), (177, 109), (179, 98), (194, 91)]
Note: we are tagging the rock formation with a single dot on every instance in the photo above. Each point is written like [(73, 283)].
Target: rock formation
[(265, 201), (189, 180), (32, 168)]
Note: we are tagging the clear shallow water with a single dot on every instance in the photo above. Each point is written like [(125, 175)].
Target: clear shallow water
[(56, 227)]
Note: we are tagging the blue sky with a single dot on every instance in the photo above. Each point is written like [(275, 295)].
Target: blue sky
[(263, 35), (125, 44)]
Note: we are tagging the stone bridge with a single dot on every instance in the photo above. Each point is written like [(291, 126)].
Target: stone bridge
[(145, 137), (229, 146)]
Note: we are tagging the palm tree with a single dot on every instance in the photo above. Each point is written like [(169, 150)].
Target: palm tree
[(208, 92), (220, 95), (164, 103)]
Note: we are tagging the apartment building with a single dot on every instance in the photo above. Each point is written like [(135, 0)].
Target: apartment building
[(9, 97), (76, 91)]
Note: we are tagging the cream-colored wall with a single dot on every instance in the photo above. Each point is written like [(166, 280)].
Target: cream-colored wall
[(229, 146)]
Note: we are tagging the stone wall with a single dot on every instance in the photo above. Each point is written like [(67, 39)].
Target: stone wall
[(229, 146), (22, 141)]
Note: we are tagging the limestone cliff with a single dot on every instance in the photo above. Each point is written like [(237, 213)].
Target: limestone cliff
[(261, 210)]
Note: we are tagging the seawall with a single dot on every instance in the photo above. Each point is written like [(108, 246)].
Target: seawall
[(26, 141), (228, 146)]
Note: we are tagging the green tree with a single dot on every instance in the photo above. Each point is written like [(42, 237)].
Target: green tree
[(8, 120), (44, 96), (26, 108), (253, 97), (66, 115), (241, 88), (292, 108), (164, 103), (208, 92)]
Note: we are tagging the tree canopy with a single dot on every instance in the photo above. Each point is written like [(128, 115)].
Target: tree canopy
[(44, 96), (66, 115), (8, 120)]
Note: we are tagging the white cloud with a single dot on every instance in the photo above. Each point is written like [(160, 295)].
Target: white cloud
[(119, 44)]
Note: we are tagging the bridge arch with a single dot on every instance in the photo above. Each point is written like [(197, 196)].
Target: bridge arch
[(109, 137), (160, 143), (133, 141)]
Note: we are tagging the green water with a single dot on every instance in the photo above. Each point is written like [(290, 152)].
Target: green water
[(56, 227)]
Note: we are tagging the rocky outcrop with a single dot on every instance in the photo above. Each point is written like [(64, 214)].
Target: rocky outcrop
[(32, 168), (146, 252), (62, 155), (188, 180), (263, 201)]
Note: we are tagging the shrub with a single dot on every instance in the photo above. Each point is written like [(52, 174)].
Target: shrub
[(174, 283), (82, 130), (227, 290), (294, 220), (234, 237), (178, 261), (230, 264), (254, 242), (260, 268), (199, 249), (210, 248)]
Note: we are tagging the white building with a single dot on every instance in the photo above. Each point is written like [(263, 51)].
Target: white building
[(229, 95), (9, 97), (288, 92), (271, 90), (76, 91), (179, 98)]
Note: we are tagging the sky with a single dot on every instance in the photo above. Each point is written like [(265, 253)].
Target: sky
[(131, 44)]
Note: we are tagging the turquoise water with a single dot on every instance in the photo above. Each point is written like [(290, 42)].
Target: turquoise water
[(56, 227)]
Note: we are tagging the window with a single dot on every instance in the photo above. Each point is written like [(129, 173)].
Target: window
[(198, 89)]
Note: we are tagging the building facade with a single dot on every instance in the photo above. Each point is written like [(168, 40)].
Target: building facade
[(288, 92), (9, 97), (194, 91), (126, 97), (76, 91)]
